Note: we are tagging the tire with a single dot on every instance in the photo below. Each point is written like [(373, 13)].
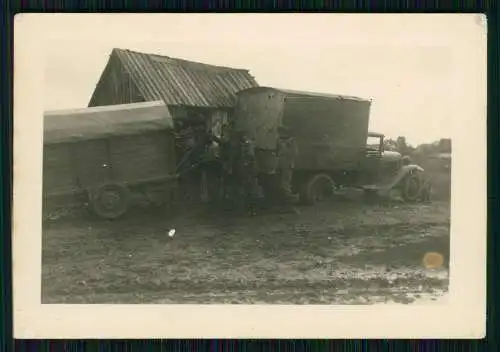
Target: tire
[(317, 189), (110, 201), (411, 187)]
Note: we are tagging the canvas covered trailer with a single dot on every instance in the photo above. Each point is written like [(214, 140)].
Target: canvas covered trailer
[(106, 155)]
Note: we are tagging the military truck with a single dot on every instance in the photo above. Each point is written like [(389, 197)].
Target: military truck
[(335, 147)]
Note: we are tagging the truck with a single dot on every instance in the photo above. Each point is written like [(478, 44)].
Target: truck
[(335, 147)]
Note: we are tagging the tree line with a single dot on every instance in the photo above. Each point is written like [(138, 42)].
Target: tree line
[(426, 149)]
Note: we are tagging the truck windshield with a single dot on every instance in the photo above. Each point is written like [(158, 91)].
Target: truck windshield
[(373, 143)]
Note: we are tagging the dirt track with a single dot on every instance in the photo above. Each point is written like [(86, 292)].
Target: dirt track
[(347, 253)]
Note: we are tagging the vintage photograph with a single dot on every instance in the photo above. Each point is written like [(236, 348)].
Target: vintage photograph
[(264, 173), (249, 175)]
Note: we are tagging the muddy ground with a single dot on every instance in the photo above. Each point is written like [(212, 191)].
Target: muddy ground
[(347, 252)]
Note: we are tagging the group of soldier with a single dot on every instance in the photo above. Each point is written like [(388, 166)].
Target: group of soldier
[(235, 163)]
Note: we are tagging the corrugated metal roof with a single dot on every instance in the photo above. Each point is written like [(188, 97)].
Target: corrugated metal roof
[(306, 93), (182, 82), (104, 121)]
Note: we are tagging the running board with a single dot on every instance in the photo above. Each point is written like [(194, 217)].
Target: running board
[(380, 190)]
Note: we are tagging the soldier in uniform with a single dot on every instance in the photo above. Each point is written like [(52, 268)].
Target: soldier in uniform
[(247, 174), (286, 152), (426, 190)]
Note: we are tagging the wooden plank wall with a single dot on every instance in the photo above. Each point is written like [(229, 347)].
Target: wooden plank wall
[(135, 158), (115, 86), (59, 175), (86, 164)]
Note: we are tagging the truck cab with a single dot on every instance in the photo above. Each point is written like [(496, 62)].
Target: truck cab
[(385, 161), (385, 170)]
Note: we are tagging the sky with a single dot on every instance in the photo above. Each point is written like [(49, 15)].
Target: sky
[(407, 64)]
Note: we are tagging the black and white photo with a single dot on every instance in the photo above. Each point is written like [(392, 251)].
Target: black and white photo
[(220, 161)]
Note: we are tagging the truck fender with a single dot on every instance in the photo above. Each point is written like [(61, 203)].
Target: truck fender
[(403, 172)]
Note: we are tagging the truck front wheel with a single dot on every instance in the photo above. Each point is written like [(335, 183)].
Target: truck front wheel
[(317, 189), (411, 187)]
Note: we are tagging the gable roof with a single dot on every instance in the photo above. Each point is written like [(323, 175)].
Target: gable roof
[(182, 82), (62, 126)]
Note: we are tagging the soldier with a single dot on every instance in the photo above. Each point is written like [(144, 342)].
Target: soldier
[(248, 173), (286, 152), (227, 160), (222, 148), (427, 190)]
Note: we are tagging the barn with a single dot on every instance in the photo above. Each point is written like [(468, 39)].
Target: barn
[(192, 91), (200, 98)]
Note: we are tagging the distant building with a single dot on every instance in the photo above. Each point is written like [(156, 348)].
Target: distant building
[(191, 90)]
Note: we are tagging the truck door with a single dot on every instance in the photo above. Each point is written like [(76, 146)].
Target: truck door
[(371, 161)]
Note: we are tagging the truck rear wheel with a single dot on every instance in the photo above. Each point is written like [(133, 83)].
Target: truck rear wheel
[(110, 201), (318, 188)]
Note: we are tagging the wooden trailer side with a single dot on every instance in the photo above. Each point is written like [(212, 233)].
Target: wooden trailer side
[(331, 132), (138, 158), (258, 113)]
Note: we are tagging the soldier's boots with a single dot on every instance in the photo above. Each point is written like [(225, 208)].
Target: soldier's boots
[(288, 196)]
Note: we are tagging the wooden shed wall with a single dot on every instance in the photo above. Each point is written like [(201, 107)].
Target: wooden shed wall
[(115, 86)]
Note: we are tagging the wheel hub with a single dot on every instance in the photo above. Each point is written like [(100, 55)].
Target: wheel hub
[(321, 191), (110, 199)]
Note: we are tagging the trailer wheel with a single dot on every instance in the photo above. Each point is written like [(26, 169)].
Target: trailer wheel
[(110, 201), (411, 187), (319, 188)]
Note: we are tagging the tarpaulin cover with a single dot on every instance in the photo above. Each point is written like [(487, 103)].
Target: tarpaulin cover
[(105, 122)]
